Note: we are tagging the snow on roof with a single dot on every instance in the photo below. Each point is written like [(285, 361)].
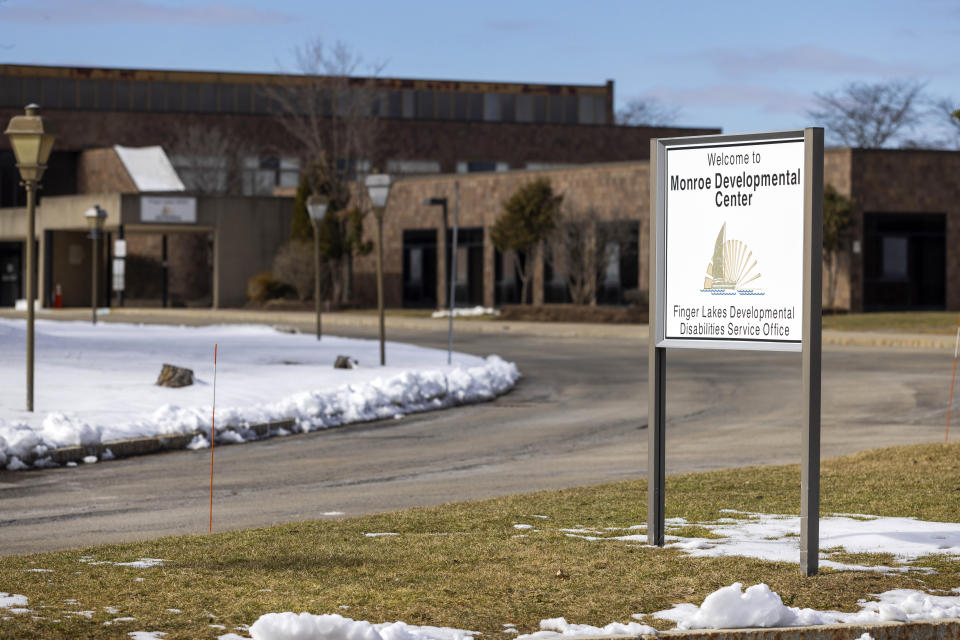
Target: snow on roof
[(149, 168)]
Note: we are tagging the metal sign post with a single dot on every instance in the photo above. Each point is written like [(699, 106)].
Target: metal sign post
[(750, 208)]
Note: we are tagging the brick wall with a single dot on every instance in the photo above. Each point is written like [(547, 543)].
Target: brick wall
[(101, 171)]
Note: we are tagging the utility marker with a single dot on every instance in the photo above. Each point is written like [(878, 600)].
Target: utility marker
[(956, 350), (213, 425)]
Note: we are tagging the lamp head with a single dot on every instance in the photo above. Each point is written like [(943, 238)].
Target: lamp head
[(32, 139), (317, 207), (95, 218), (378, 186)]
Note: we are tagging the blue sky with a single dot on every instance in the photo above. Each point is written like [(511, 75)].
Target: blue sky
[(742, 66)]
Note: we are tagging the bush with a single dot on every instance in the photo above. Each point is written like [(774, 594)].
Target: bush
[(293, 265), (264, 286)]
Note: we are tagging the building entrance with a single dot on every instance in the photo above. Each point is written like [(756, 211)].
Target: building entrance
[(904, 261), (420, 268)]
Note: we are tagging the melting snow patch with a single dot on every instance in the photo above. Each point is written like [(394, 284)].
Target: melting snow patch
[(290, 626), (377, 535), (142, 563), (559, 627), (731, 608), (12, 600), (147, 635), (523, 526)]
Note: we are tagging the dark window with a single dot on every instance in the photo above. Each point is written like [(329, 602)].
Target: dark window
[(227, 95), (395, 105), (174, 96), (420, 268), (479, 166), (141, 92), (539, 108), (243, 98), (508, 110), (31, 91), (105, 95), (10, 92), (68, 94), (469, 272), (191, 97), (209, 103), (460, 106), (261, 100), (86, 97), (51, 93), (425, 107), (123, 95), (158, 96), (476, 106), (572, 111), (556, 109), (444, 106)]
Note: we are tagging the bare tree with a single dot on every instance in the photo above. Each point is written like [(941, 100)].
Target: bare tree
[(334, 115), (208, 159), (582, 247), (866, 115), (648, 112)]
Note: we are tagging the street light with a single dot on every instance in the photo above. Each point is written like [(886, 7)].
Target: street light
[(317, 208), (378, 186), (32, 139), (452, 272), (95, 218)]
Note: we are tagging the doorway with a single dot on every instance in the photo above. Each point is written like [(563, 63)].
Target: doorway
[(11, 273), (904, 261)]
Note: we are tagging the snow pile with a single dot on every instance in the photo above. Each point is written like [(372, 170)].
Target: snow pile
[(466, 312), (731, 608), (290, 626), (559, 627), (95, 384), (13, 602), (773, 538)]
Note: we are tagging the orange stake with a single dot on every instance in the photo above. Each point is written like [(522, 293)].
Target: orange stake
[(213, 422), (956, 350)]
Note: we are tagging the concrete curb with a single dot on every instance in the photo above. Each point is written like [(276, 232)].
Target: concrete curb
[(927, 630), (150, 444)]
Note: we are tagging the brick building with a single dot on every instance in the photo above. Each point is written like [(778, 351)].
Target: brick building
[(902, 252)]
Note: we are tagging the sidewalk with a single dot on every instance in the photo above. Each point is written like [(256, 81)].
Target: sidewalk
[(305, 321)]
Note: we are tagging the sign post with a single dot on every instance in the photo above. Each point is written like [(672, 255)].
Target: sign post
[(735, 253)]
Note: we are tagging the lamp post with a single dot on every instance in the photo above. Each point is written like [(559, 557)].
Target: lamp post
[(452, 272), (32, 139), (378, 185), (317, 208), (95, 218)]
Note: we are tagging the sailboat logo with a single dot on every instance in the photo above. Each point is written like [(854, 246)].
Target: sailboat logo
[(732, 268)]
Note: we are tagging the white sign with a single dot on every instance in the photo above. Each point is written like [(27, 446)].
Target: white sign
[(734, 245), (120, 248), (119, 268), (168, 209)]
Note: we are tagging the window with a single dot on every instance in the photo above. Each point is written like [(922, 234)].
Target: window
[(524, 110), (571, 108), (158, 96), (68, 94), (227, 97), (141, 91), (86, 98), (444, 105), (895, 257), (191, 96), (10, 92), (413, 166), (491, 107), (476, 107), (408, 104), (474, 166), (289, 173), (394, 105), (51, 92), (461, 106), (104, 95), (508, 111), (539, 108), (555, 114), (209, 97), (586, 110), (244, 98), (31, 90), (425, 107), (123, 95)]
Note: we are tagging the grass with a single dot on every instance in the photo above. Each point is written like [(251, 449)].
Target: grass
[(939, 322), (463, 565)]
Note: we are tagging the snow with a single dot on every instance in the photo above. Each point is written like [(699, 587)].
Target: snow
[(466, 312), (12, 600), (149, 168), (732, 608), (774, 538), (290, 626), (147, 635), (559, 627), (96, 383)]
